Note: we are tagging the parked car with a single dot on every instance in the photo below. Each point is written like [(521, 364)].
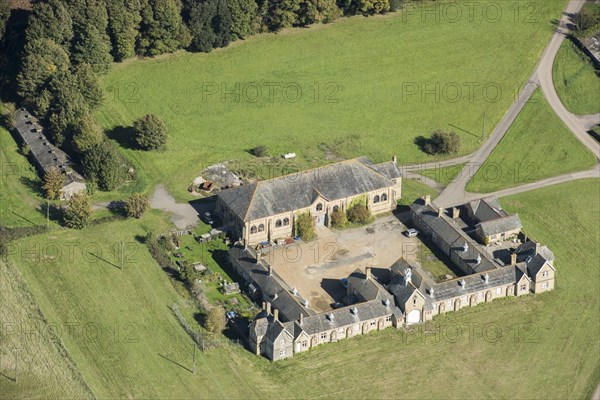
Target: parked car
[(411, 232)]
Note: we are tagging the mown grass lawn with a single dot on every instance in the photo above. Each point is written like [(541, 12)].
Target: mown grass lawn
[(542, 346), (576, 80), (413, 189), (20, 187), (34, 364), (537, 146), (355, 87), (444, 175)]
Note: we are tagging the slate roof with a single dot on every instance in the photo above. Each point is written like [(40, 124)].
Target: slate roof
[(300, 190), (272, 288), (535, 264), (486, 209), (260, 325), (475, 283), (499, 225), (531, 248), (403, 290), (45, 153), (449, 232), (344, 316), (369, 289)]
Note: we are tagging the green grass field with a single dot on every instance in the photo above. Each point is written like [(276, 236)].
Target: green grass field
[(537, 146), (444, 175), (576, 81), (412, 190), (20, 196), (340, 90), (34, 363), (540, 346)]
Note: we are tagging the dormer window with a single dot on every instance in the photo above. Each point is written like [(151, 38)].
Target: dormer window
[(376, 199), (320, 207), (261, 228), (278, 223), (286, 221), (253, 229), (384, 197)]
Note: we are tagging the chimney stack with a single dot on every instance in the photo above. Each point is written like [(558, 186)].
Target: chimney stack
[(368, 273), (395, 159), (268, 307), (276, 314), (465, 247), (440, 211), (455, 212), (513, 258), (463, 283), (427, 199), (486, 278), (269, 270), (301, 318), (264, 305), (478, 260)]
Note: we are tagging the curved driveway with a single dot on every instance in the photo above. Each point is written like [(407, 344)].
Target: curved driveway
[(455, 192)]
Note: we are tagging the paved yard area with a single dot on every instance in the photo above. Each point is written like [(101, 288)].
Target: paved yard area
[(315, 268)]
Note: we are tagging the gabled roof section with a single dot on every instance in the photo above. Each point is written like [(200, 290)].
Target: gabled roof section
[(296, 191), (486, 209), (499, 225), (369, 289)]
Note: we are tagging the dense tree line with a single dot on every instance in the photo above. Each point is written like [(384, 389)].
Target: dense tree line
[(70, 43)]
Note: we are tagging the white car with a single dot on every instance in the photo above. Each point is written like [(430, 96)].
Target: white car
[(411, 233)]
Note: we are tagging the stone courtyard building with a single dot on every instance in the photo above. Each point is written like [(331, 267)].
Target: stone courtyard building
[(266, 210)]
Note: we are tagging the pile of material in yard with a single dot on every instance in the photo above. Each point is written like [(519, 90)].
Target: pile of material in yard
[(216, 177)]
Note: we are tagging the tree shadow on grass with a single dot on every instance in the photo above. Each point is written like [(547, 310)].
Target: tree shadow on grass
[(123, 135), (51, 211), (35, 185)]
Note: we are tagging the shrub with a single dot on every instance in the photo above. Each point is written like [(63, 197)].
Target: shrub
[(215, 320), (150, 132), (259, 151), (79, 211), (136, 205), (105, 165), (53, 183), (338, 218), (442, 143), (585, 22), (359, 214), (305, 227)]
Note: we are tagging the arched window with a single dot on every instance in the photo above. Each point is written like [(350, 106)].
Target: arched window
[(336, 208), (261, 227), (376, 199), (415, 300), (320, 207), (286, 221), (253, 229), (278, 223), (384, 197)]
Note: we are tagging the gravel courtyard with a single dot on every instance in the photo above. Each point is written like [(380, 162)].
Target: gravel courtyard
[(315, 268)]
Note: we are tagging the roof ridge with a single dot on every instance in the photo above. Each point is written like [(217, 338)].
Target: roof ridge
[(250, 202), (376, 171)]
